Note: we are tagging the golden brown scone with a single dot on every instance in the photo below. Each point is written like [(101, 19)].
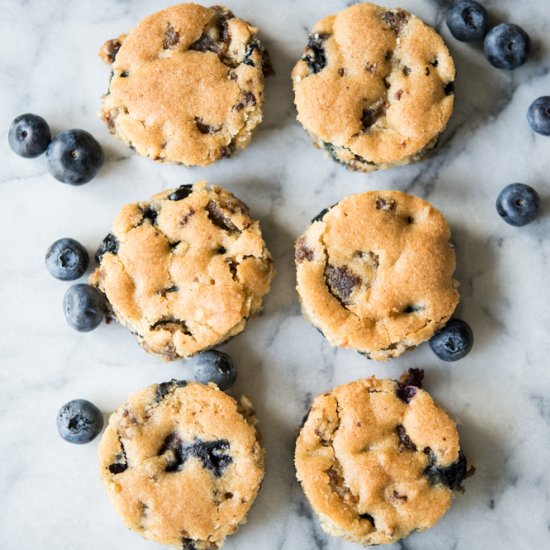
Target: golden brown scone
[(182, 464), (379, 459), (187, 85), (374, 87), (184, 270), (375, 273)]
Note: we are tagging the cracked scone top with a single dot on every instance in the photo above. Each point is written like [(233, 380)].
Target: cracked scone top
[(379, 459), (182, 463), (374, 87), (184, 270), (375, 273), (187, 85)]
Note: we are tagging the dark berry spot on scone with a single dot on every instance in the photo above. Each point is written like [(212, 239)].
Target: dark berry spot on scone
[(387, 84), (404, 440), (118, 467), (249, 99), (316, 59), (413, 308), (303, 252), (171, 324), (121, 461), (124, 74), (181, 192), (188, 544), (232, 268), (399, 95), (389, 55), (215, 36), (372, 114), (320, 216), (396, 19), (336, 482), (205, 128), (214, 455), (217, 217), (427, 71), (109, 244), (449, 88), (247, 59), (187, 216), (409, 384), (164, 388), (410, 220), (226, 151), (171, 38), (149, 214), (386, 205), (341, 71), (452, 476), (434, 63), (165, 291), (221, 250), (110, 48), (406, 71), (341, 281), (371, 68), (368, 517)]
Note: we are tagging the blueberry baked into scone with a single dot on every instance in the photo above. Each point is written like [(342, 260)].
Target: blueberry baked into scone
[(182, 463), (379, 459), (374, 87), (187, 85), (375, 273), (184, 270)]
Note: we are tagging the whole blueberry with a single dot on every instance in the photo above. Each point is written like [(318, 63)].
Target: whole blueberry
[(66, 259), (507, 46), (467, 21), (74, 157), (215, 366), (518, 204), (79, 421), (538, 115), (453, 341), (29, 135), (83, 306)]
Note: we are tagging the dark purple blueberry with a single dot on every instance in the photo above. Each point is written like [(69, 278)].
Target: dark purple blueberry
[(108, 245), (74, 157), (66, 259), (409, 384), (538, 115), (453, 341), (215, 366), (452, 476), (29, 135), (467, 21), (507, 46), (518, 204), (181, 192), (79, 421), (83, 306)]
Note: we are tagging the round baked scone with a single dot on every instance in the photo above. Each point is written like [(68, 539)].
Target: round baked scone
[(184, 270), (379, 459), (375, 273), (182, 464), (187, 85), (374, 87)]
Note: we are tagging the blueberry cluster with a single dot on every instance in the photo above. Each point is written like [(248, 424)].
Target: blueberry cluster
[(73, 156), (506, 46)]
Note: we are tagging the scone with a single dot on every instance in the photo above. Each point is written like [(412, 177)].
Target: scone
[(187, 85), (184, 270), (182, 464), (374, 87), (375, 273), (379, 459)]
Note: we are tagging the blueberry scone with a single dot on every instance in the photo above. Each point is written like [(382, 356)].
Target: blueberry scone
[(182, 464), (374, 87), (184, 270), (375, 273), (379, 459), (187, 85)]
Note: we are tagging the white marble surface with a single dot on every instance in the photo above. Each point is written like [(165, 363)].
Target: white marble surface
[(51, 496)]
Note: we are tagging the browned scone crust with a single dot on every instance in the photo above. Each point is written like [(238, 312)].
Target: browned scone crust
[(184, 270), (374, 87), (374, 466), (375, 273), (187, 85), (182, 463)]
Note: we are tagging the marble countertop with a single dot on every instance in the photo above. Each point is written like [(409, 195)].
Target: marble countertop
[(500, 394)]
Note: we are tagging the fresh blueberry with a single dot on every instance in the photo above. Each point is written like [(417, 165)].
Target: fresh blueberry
[(538, 115), (215, 366), (507, 46), (66, 259), (467, 21), (518, 204), (29, 135), (79, 421), (453, 341), (74, 157), (83, 306)]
